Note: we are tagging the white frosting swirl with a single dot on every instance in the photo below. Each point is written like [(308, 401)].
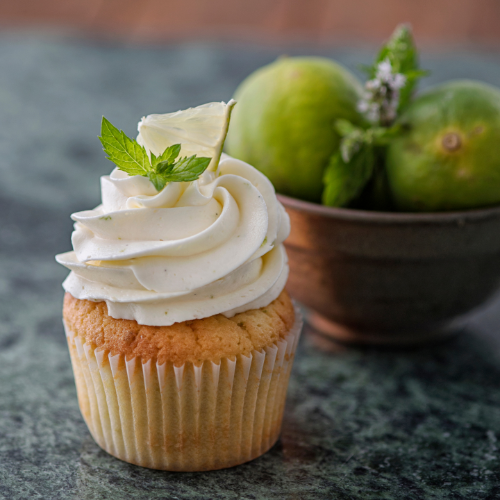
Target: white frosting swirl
[(193, 250)]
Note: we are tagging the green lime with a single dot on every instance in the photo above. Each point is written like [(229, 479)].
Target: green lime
[(283, 123), (448, 158)]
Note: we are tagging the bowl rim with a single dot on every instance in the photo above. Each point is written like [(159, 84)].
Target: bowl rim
[(355, 215)]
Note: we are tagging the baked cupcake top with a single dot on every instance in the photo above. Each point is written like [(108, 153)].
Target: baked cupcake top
[(167, 253), (193, 341)]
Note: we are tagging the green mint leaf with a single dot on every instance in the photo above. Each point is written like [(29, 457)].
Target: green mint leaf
[(124, 152), (351, 144), (169, 155), (382, 136), (343, 180), (185, 170), (164, 168), (128, 155), (402, 53), (352, 138), (158, 180), (417, 73), (345, 127), (400, 50)]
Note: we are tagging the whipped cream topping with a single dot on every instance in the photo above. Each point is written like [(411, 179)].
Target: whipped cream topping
[(193, 250)]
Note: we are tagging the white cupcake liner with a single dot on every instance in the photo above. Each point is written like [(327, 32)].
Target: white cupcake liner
[(184, 418)]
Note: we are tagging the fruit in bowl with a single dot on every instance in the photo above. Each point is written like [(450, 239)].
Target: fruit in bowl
[(448, 156), (367, 269), (293, 101)]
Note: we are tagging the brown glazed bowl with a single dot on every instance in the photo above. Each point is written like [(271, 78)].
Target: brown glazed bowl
[(390, 278)]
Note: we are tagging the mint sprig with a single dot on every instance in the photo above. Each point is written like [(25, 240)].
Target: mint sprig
[(130, 157), (343, 180), (401, 53), (124, 152), (350, 169), (392, 79)]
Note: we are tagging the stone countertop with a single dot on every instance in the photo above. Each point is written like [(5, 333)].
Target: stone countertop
[(359, 424)]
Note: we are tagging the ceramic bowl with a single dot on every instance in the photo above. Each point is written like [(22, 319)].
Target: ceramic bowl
[(390, 278)]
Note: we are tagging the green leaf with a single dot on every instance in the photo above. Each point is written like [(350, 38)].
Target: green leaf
[(353, 138), (185, 170), (345, 127), (417, 73), (157, 180), (124, 152), (164, 168), (400, 50), (128, 155), (402, 53), (169, 155), (351, 144), (381, 136), (345, 181)]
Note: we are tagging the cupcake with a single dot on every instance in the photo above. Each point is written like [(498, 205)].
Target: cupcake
[(181, 334)]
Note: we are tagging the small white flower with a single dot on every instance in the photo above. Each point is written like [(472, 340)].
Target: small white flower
[(384, 70), (399, 81), (373, 112), (381, 98), (363, 106), (345, 154), (373, 84)]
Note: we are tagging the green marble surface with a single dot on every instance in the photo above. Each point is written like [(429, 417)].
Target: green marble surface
[(359, 424)]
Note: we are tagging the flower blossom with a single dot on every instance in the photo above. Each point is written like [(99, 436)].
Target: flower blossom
[(381, 98)]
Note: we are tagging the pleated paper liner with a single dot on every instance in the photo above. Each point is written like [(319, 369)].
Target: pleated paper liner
[(187, 418)]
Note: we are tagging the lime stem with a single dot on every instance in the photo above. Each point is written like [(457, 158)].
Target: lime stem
[(451, 142)]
